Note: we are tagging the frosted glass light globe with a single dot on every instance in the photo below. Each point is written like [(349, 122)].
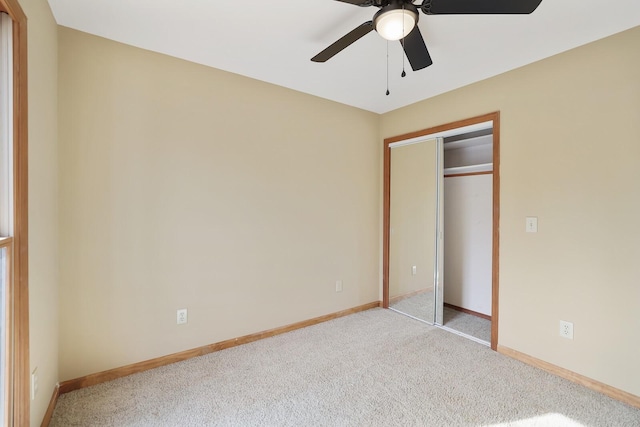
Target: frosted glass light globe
[(395, 24)]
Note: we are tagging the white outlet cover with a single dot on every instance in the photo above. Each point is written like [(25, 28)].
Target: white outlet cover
[(181, 316), (566, 329)]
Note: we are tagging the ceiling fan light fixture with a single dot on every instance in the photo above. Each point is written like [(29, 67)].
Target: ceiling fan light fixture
[(395, 21)]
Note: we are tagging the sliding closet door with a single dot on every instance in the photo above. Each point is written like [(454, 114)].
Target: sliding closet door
[(415, 229)]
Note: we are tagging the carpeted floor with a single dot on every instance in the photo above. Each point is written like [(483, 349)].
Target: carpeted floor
[(375, 368), (467, 324)]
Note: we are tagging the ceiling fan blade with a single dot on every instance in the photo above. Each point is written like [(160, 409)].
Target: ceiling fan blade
[(362, 3), (479, 7), (416, 50), (344, 42)]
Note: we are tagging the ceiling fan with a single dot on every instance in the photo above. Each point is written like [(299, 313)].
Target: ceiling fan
[(398, 19)]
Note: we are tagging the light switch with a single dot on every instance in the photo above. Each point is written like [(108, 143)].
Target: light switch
[(532, 224), (414, 270)]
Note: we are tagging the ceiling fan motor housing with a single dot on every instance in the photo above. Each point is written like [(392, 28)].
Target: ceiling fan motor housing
[(426, 7)]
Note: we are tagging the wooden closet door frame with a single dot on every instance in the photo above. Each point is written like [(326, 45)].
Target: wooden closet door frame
[(493, 117)]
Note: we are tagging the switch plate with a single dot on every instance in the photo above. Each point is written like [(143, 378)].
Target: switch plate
[(414, 270), (338, 285), (181, 316), (532, 224)]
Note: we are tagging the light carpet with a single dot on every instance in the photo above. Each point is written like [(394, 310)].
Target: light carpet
[(375, 368), (467, 323)]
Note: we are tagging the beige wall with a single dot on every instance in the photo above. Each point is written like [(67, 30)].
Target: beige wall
[(569, 155), (43, 200), (184, 186)]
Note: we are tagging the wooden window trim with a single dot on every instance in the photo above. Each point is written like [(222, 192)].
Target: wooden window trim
[(20, 266)]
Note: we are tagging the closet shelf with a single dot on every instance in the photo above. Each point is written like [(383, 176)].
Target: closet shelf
[(468, 142), (482, 167)]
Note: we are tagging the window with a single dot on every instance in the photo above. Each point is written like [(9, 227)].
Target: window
[(6, 126), (6, 214)]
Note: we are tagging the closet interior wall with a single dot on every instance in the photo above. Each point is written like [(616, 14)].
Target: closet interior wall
[(468, 225)]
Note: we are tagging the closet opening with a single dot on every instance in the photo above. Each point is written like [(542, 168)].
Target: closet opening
[(440, 230), (468, 232)]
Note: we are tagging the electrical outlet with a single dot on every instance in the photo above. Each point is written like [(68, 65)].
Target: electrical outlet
[(566, 329), (338, 285), (34, 383), (182, 316)]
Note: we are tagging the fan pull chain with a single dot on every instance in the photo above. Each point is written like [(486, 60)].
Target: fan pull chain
[(388, 68), (403, 54)]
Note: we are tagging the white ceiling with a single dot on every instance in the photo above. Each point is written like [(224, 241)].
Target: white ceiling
[(274, 40)]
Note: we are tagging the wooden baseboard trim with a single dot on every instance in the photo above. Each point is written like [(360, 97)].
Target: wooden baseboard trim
[(409, 295), (52, 406), (615, 393), (112, 374), (466, 310)]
